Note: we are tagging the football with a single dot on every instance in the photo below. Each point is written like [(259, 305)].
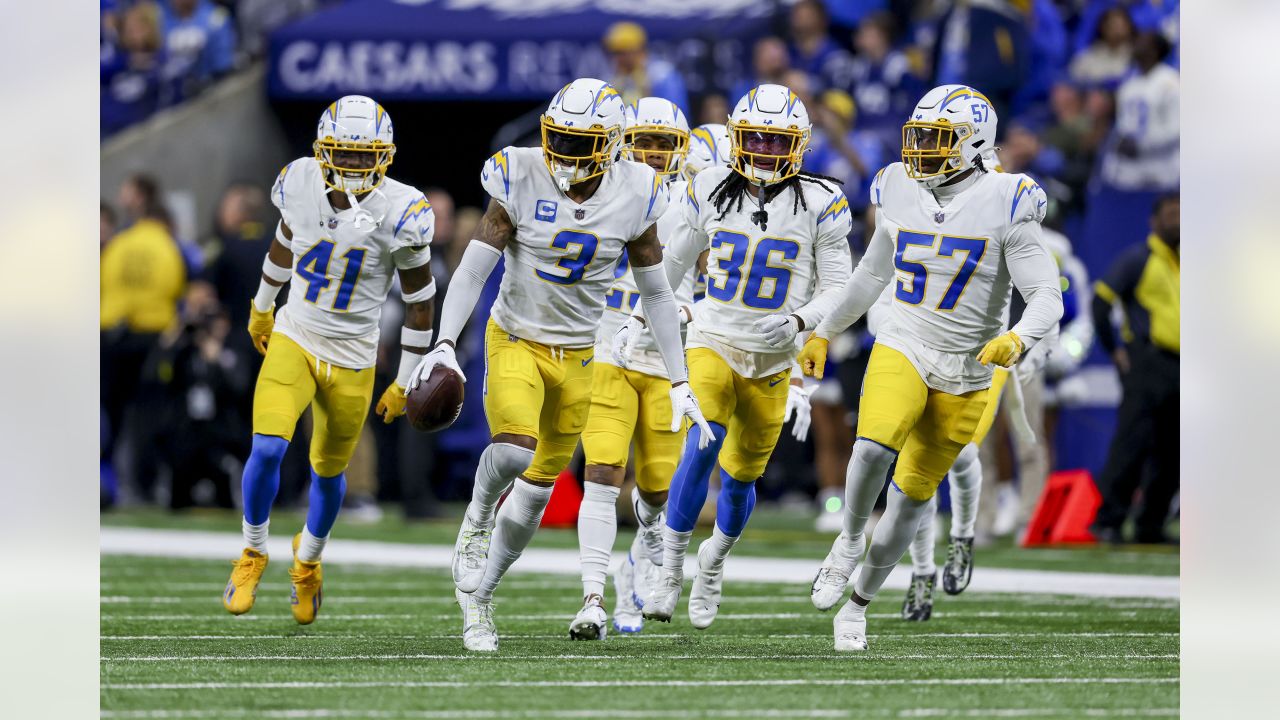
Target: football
[(436, 402)]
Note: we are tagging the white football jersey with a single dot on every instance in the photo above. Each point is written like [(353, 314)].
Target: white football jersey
[(796, 265), (561, 263), (952, 280), (344, 262), (624, 296)]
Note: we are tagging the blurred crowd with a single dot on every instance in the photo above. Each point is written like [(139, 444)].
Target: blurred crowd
[(1087, 92), (155, 55)]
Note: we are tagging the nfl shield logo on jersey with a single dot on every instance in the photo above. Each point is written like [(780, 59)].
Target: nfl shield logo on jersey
[(333, 223), (938, 217), (579, 214)]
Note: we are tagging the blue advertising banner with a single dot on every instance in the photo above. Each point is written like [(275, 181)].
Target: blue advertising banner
[(500, 49)]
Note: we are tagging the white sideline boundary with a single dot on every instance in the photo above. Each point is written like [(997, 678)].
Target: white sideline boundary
[(203, 545)]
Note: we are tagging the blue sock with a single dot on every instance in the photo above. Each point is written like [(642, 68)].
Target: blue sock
[(689, 486), (261, 478), (734, 505), (326, 500)]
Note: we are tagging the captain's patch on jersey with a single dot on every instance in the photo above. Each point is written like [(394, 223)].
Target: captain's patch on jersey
[(545, 211)]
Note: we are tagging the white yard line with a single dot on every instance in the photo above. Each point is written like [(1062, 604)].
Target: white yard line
[(630, 658), (222, 546), (774, 682), (629, 638)]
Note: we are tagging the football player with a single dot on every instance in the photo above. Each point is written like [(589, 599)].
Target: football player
[(345, 231), (940, 216), (778, 260), (561, 216), (631, 404)]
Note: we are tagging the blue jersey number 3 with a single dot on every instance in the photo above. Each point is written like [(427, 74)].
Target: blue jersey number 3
[(580, 248)]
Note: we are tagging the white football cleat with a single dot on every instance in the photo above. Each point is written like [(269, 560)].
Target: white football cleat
[(645, 578), (470, 555), (478, 631), (648, 541), (626, 612), (704, 596), (665, 596), (851, 628), (591, 622), (837, 568)]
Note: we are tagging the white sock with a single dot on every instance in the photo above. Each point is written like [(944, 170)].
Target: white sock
[(500, 464), (255, 536), (646, 514), (868, 469), (597, 529), (893, 534), (720, 545), (966, 486), (516, 523), (674, 546), (310, 546), (925, 539)]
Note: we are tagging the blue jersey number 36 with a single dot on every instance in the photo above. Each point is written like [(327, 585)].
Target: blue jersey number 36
[(724, 286)]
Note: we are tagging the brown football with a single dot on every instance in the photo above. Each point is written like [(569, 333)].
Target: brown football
[(436, 402)]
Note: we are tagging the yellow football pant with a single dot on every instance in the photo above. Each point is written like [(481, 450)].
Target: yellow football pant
[(291, 379), (627, 405), (750, 409), (539, 391), (928, 428)]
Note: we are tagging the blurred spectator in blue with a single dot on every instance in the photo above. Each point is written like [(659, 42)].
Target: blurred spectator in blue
[(849, 13), (200, 40), (1107, 59), (233, 256), (713, 108), (884, 85), (1144, 149), (769, 63), (841, 149), (1049, 53), (133, 80), (1147, 15), (1072, 134), (985, 45), (812, 49), (635, 74)]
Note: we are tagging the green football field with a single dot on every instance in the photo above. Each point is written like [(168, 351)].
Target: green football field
[(387, 643)]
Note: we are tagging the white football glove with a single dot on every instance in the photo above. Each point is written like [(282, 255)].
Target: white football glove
[(798, 403), (442, 354), (624, 340), (685, 405), (778, 330)]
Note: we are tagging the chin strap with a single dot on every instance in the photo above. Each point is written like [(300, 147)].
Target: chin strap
[(362, 219), (761, 216)]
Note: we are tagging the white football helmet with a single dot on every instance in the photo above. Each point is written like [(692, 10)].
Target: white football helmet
[(951, 129), (663, 130), (582, 131), (769, 130), (708, 147), (354, 144)]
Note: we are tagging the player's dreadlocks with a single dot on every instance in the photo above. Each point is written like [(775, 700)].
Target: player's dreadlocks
[(735, 186)]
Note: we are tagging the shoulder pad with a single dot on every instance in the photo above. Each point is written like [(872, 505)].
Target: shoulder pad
[(1028, 201), (292, 180), (835, 209), (415, 223), (881, 181), (497, 174), (657, 195)]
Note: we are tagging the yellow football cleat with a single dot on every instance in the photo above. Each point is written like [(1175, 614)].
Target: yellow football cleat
[(306, 596), (242, 588)]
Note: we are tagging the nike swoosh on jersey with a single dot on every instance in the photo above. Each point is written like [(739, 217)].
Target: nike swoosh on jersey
[(776, 381), (588, 361)]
